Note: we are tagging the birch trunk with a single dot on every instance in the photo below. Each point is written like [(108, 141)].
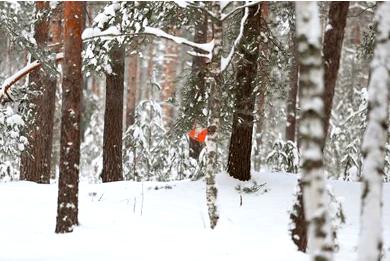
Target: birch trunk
[(374, 141), (315, 198), (213, 82)]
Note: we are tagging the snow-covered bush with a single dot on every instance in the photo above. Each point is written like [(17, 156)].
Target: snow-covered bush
[(12, 143), (92, 144), (283, 157), (149, 151)]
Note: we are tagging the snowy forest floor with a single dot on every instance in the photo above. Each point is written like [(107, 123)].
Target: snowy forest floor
[(134, 221)]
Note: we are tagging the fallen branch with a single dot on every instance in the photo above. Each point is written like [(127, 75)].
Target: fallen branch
[(10, 81)]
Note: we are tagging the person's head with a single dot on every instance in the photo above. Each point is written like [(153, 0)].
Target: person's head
[(212, 129)]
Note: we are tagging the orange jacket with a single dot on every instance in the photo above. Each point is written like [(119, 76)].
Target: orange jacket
[(198, 135)]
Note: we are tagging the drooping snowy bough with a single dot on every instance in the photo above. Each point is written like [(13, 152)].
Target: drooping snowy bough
[(311, 131), (374, 141)]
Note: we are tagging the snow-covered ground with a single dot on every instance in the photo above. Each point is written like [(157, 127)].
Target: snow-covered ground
[(136, 221)]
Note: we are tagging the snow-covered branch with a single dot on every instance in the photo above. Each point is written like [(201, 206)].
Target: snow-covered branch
[(90, 34), (226, 61), (7, 84), (225, 16)]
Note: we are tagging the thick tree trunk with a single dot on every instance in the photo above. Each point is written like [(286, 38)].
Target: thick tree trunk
[(198, 73), (293, 86), (374, 143), (113, 118), (239, 161), (132, 84), (213, 82), (35, 161), (333, 42), (315, 198), (67, 208)]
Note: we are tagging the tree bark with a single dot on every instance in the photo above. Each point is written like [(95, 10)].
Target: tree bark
[(315, 198), (35, 160), (374, 143), (67, 208), (293, 85), (333, 42), (239, 160), (113, 118)]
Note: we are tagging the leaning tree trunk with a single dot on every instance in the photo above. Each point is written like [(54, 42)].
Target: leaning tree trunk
[(239, 161), (113, 118), (35, 160), (293, 84), (333, 42), (67, 208), (374, 141), (213, 83), (198, 71), (315, 198)]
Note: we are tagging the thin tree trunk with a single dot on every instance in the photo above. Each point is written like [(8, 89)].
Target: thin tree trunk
[(198, 73), (168, 88), (132, 84), (239, 160), (213, 82), (67, 208), (263, 73), (293, 85), (374, 141), (315, 197), (333, 42), (35, 161), (113, 118)]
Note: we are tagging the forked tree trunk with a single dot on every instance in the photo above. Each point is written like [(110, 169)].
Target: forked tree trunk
[(315, 198), (113, 118), (333, 42), (67, 207), (35, 160), (374, 142), (239, 161)]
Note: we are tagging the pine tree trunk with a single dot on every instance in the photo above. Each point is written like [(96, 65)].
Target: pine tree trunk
[(239, 161), (333, 42), (315, 197), (67, 208), (213, 82), (263, 74), (198, 73), (132, 84), (168, 88), (293, 85), (35, 161), (113, 118), (374, 142)]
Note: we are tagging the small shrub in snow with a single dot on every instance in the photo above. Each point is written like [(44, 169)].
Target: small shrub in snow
[(283, 157)]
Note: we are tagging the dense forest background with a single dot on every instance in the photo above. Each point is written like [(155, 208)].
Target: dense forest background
[(102, 92)]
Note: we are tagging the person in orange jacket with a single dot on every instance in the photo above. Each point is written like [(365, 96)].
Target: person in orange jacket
[(200, 135)]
